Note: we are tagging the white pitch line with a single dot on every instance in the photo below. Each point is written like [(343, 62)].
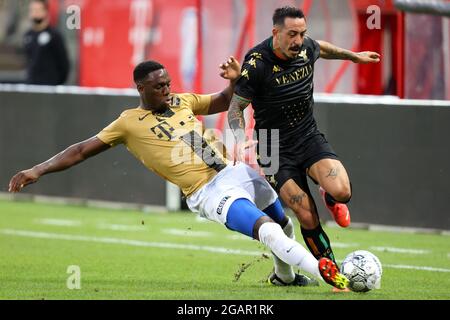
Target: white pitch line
[(59, 222), (400, 250), (238, 237), (120, 227), (187, 233), (424, 268), (138, 243), (201, 219), (343, 245)]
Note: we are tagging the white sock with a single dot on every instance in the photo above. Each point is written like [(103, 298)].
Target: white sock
[(288, 250), (283, 270)]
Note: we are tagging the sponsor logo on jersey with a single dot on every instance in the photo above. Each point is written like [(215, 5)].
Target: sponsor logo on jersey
[(144, 116), (244, 74), (295, 76), (252, 62), (276, 68), (256, 55)]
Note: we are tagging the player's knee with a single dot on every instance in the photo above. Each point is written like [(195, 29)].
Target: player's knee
[(343, 194), (258, 224)]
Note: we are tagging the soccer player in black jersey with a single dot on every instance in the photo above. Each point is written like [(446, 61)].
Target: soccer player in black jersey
[(277, 79)]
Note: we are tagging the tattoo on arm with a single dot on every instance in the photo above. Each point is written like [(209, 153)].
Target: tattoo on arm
[(334, 172), (236, 118), (297, 198), (329, 51)]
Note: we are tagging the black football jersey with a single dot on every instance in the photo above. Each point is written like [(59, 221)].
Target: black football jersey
[(281, 91)]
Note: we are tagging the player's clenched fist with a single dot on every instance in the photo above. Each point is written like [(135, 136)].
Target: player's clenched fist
[(231, 69)]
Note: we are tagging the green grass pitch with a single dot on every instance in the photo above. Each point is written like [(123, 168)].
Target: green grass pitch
[(135, 255)]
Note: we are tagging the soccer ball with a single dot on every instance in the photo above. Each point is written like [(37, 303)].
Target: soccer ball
[(363, 270)]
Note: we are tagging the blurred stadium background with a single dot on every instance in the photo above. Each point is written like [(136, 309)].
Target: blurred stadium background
[(192, 36), (389, 122)]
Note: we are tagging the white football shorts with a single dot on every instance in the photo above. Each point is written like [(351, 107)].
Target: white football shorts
[(238, 181)]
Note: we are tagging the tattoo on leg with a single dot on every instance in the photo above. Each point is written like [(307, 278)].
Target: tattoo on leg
[(333, 173), (297, 199)]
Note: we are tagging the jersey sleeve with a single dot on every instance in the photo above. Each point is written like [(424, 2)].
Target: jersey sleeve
[(251, 74), (314, 48), (114, 133), (198, 103)]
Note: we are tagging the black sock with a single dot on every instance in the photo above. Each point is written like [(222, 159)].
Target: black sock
[(318, 243), (329, 199)]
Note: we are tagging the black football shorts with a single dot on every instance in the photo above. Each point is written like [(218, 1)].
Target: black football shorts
[(297, 158)]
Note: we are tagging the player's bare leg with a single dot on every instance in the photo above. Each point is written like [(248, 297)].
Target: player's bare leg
[(305, 209), (335, 188), (302, 205)]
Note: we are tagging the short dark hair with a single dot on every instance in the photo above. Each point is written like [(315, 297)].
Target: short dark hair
[(281, 14), (43, 2), (144, 68)]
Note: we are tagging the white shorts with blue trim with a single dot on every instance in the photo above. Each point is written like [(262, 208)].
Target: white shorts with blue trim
[(238, 181)]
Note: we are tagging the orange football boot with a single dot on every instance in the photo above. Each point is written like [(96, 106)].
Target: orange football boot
[(330, 273)]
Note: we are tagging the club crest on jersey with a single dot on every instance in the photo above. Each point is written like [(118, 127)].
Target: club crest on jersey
[(303, 55), (221, 204), (175, 101)]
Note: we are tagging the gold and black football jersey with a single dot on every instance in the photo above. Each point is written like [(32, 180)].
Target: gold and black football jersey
[(171, 143), (281, 91)]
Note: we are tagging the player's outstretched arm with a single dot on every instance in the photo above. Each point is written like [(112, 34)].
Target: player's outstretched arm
[(330, 51), (230, 70), (62, 161)]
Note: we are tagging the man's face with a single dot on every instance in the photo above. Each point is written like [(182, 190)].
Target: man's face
[(155, 90), (289, 38), (37, 12)]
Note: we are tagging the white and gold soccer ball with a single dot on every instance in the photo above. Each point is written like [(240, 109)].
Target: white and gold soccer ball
[(363, 270)]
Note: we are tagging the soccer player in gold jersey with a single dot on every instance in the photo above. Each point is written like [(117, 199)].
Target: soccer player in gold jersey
[(163, 133)]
